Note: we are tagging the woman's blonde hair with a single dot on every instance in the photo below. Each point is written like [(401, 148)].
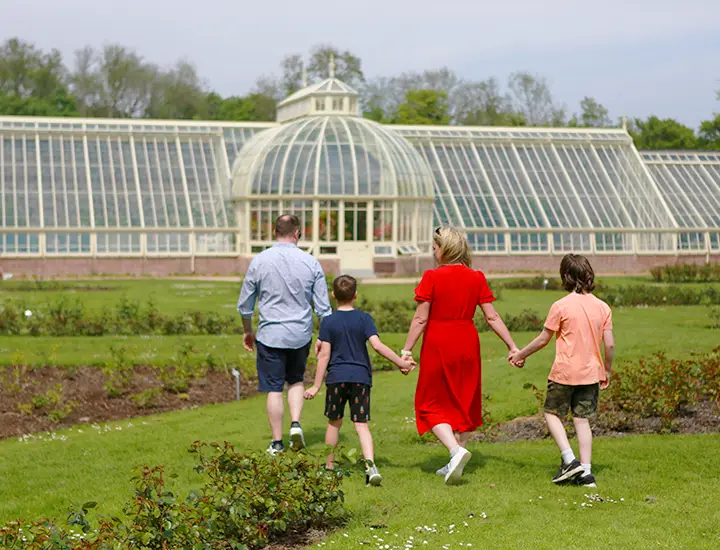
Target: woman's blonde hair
[(453, 245)]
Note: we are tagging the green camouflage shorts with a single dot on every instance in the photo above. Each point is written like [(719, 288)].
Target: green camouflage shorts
[(581, 400)]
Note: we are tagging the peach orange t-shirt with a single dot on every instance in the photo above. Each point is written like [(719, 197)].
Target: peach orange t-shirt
[(578, 321)]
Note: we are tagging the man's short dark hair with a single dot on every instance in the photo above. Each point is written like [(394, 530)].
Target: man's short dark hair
[(344, 288), (577, 274), (286, 225)]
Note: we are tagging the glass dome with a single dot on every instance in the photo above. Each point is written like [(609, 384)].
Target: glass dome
[(331, 156)]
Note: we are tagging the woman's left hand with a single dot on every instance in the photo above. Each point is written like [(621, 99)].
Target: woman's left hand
[(515, 360)]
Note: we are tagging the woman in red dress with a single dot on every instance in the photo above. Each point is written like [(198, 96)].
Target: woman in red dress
[(448, 399)]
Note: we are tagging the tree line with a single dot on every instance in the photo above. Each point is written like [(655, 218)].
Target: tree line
[(117, 82)]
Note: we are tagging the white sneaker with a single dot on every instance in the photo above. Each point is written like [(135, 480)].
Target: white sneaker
[(297, 439), (457, 465), (444, 470), (372, 476), (272, 450)]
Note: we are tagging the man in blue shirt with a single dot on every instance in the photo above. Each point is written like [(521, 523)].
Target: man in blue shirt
[(286, 283)]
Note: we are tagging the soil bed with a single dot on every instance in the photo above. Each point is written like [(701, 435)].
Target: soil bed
[(705, 418), (89, 403), (82, 388)]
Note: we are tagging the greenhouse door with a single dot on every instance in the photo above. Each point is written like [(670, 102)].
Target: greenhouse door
[(355, 250)]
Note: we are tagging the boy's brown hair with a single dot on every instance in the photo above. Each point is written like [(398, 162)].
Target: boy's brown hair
[(577, 274), (344, 288)]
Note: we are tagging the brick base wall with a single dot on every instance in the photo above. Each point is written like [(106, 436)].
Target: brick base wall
[(402, 266)]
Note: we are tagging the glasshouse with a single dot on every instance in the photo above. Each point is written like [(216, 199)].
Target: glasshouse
[(82, 196)]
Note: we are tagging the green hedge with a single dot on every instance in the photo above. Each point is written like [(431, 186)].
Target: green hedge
[(686, 273)]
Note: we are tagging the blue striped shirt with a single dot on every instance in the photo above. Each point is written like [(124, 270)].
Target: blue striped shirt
[(285, 282)]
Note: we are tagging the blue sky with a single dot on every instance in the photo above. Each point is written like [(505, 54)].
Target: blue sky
[(637, 57)]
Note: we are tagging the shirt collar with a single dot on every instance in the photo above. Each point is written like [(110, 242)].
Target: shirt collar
[(286, 245)]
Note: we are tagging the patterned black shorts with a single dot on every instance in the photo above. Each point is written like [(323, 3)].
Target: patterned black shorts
[(358, 395)]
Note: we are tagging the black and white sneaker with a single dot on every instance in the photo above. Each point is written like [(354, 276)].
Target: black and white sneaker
[(275, 449), (585, 480), (297, 438), (568, 471), (372, 476)]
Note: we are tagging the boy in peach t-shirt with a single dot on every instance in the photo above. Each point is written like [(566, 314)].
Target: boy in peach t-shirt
[(581, 323)]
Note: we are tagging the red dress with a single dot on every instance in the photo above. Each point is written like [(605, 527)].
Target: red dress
[(449, 386)]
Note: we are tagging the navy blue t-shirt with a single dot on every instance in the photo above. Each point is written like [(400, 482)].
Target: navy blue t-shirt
[(347, 332)]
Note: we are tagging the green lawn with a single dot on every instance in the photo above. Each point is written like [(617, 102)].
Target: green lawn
[(667, 483)]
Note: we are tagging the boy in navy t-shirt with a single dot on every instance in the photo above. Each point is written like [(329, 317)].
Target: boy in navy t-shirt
[(344, 356)]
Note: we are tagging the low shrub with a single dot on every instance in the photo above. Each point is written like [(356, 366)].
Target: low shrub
[(686, 273), (651, 295), (245, 502), (541, 282), (662, 387), (715, 317)]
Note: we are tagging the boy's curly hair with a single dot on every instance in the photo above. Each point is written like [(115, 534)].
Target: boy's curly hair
[(577, 274)]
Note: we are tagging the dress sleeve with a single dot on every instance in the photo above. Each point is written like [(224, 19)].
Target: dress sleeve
[(554, 317), (424, 291), (485, 295)]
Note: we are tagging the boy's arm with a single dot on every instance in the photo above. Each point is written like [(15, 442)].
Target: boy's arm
[(609, 341), (536, 345), (323, 360), (405, 365)]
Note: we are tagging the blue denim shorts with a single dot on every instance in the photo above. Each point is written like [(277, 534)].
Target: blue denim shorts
[(276, 366)]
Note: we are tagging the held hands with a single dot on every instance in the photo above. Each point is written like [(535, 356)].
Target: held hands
[(249, 341), (515, 359), (310, 393), (409, 366)]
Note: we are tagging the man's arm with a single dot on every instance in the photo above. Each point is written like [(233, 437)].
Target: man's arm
[(246, 306), (609, 342), (323, 360), (321, 301)]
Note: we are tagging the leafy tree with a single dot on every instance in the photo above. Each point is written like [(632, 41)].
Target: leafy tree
[(710, 133), (292, 74), (483, 104), (387, 94), (254, 107), (375, 112), (423, 107), (656, 133), (593, 115), (62, 105), (348, 66), (532, 98), (114, 83), (32, 82), (178, 94), (268, 86)]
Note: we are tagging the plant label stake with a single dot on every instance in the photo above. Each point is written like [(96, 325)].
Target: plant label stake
[(236, 374)]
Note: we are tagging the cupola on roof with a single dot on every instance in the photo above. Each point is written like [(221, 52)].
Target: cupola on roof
[(328, 97)]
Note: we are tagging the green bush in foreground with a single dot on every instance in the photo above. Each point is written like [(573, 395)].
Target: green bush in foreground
[(246, 501)]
